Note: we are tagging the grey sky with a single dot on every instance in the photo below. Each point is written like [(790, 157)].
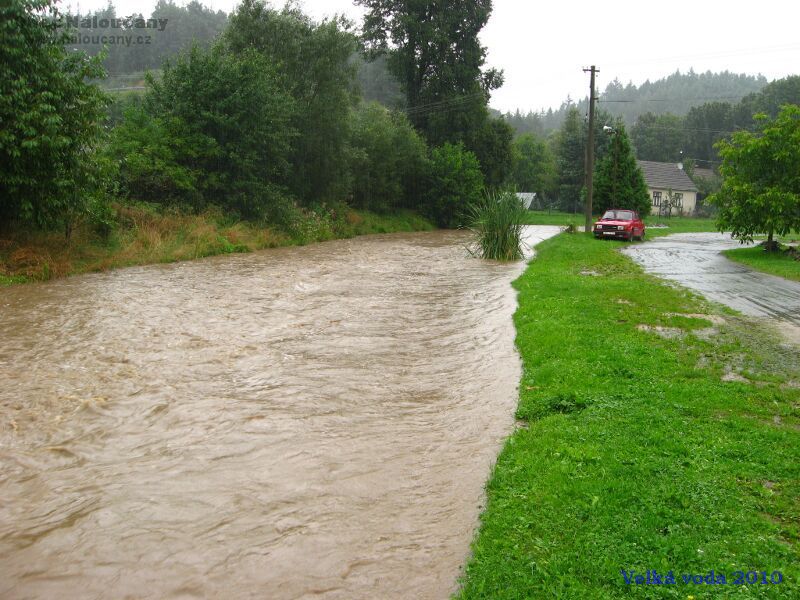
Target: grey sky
[(542, 46)]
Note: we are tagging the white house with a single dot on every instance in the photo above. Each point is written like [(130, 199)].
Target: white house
[(526, 198), (661, 178)]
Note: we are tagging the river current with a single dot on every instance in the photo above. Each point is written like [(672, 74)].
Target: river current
[(313, 422)]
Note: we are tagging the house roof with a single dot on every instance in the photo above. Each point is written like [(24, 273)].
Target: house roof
[(705, 173), (666, 176)]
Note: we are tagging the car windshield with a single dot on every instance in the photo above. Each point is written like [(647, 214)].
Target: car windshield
[(618, 215)]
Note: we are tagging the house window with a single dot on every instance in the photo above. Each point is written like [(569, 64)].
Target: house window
[(656, 198), (678, 197)]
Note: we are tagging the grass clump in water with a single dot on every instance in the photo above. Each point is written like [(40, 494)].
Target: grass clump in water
[(497, 221)]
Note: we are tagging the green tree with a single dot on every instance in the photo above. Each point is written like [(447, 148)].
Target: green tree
[(456, 183), (569, 145), (534, 167), (50, 118), (705, 126), (220, 134), (530, 122), (435, 53), (570, 153), (492, 145), (768, 100), (761, 179), (313, 63), (389, 158), (658, 137), (150, 151), (618, 180)]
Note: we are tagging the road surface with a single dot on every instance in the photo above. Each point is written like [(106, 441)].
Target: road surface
[(695, 261)]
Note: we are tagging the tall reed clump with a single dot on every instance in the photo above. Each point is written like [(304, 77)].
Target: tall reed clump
[(497, 221)]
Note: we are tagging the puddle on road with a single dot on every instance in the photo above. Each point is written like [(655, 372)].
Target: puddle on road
[(694, 260), (298, 422)]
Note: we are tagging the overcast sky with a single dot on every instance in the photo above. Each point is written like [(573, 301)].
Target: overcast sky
[(543, 46)]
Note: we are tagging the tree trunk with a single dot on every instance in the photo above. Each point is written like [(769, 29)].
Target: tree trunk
[(771, 245)]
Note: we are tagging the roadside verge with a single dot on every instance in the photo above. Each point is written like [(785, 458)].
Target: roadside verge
[(783, 263), (655, 434)]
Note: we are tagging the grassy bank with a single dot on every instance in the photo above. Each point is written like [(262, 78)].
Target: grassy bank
[(782, 263), (674, 224), (650, 438), (144, 235)]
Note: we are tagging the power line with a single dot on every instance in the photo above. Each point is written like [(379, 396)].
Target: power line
[(678, 99), (693, 129), (421, 109)]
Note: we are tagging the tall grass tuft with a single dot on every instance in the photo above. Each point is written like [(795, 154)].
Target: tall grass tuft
[(497, 221)]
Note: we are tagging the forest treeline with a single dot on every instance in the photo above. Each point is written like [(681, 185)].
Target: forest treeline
[(143, 42), (552, 163), (266, 114), (264, 120), (155, 37), (675, 94)]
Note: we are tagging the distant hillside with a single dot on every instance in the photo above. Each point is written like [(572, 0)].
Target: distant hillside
[(136, 43), (675, 94)]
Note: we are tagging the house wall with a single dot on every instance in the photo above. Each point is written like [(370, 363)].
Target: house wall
[(688, 202)]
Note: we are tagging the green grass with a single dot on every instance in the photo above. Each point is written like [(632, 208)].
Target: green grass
[(679, 225), (633, 453), (779, 263), (543, 217), (675, 224)]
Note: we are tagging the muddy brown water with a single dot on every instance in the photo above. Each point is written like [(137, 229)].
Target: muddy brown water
[(311, 422)]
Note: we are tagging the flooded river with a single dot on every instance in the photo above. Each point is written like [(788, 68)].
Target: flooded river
[(311, 422)]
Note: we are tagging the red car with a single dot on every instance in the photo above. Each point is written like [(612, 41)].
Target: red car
[(621, 224)]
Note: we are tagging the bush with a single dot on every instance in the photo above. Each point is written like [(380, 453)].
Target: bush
[(388, 158), (49, 118), (214, 130), (149, 152), (455, 184), (312, 61), (497, 220)]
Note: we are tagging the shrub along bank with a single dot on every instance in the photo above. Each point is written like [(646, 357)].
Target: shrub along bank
[(258, 139), (144, 234), (655, 434)]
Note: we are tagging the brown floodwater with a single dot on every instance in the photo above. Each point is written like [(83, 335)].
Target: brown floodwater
[(311, 422)]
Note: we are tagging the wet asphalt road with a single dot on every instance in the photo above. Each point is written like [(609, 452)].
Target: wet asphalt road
[(695, 261)]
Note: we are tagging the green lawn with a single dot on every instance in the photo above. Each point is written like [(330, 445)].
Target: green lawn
[(543, 217), (633, 451), (674, 224), (774, 263)]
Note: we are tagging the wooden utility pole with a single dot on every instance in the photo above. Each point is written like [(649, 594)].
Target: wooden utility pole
[(590, 150)]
